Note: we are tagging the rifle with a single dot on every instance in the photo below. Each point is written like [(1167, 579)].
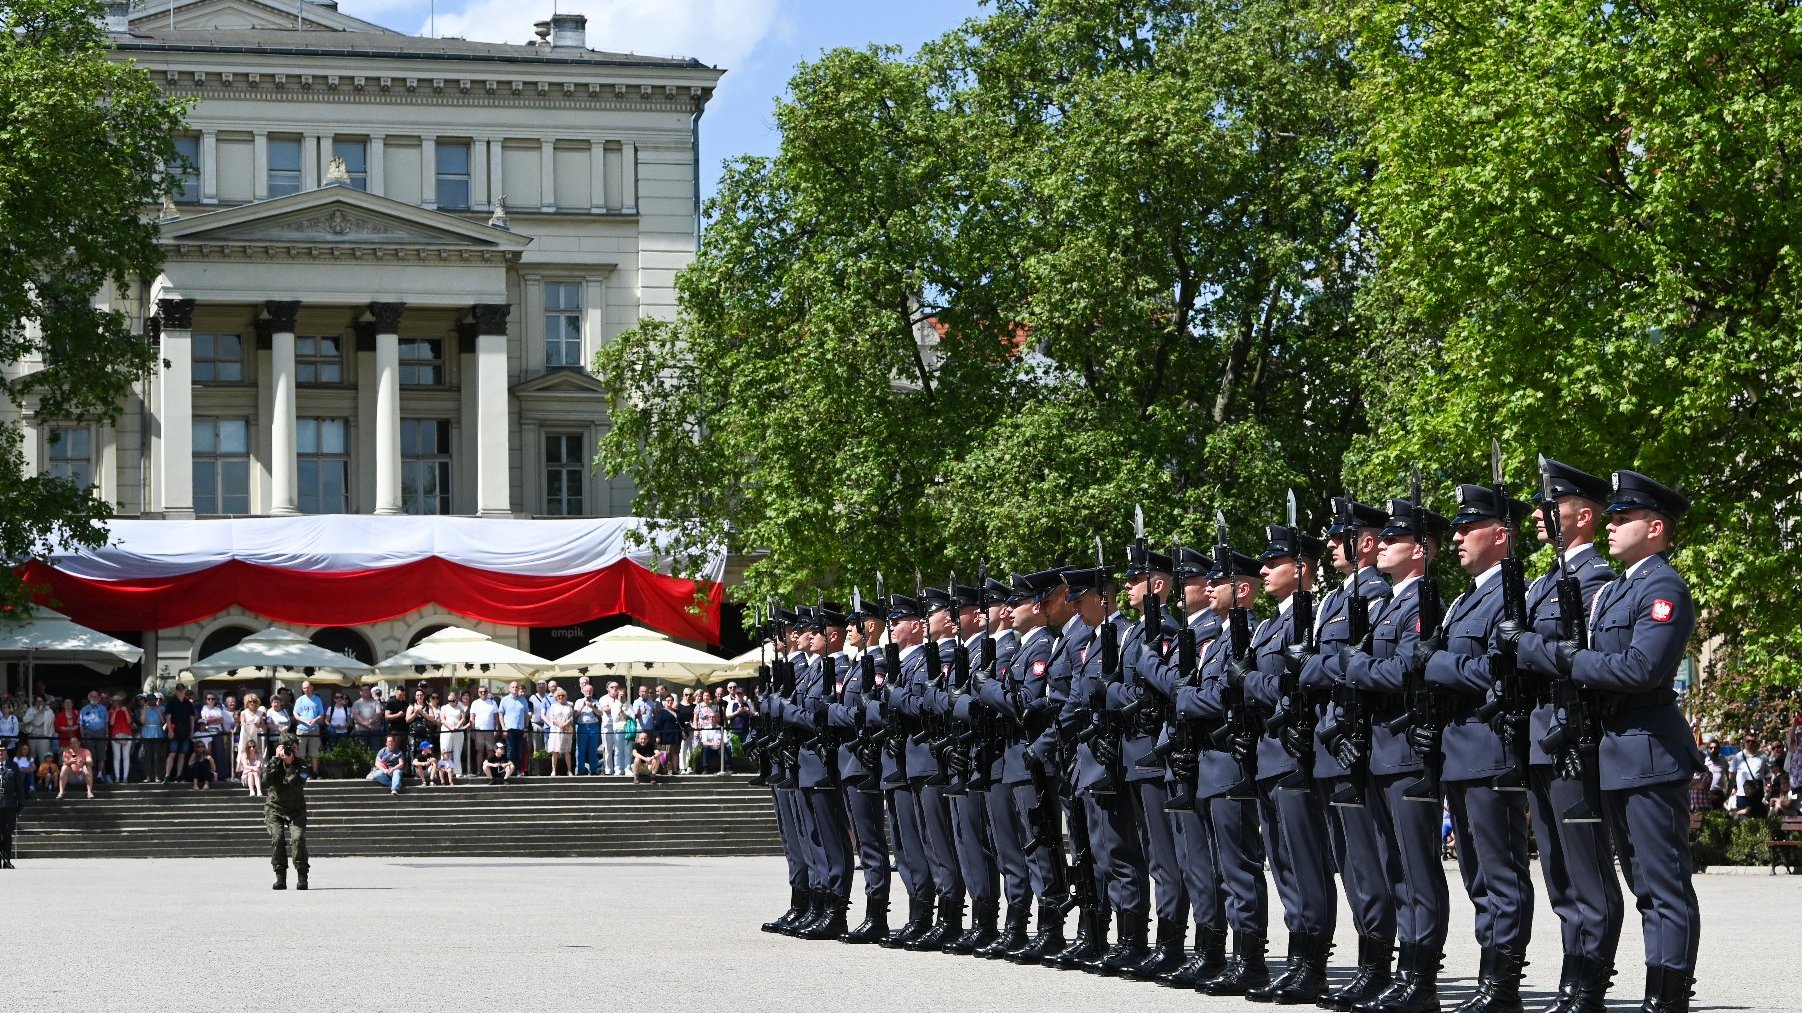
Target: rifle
[(1509, 708), (930, 729), (1295, 709), (892, 739), (1103, 734), (1242, 722), (1424, 704), (1347, 737), (1154, 608), (757, 746), (1081, 877), (947, 750), (866, 746), (1579, 749), (1181, 747)]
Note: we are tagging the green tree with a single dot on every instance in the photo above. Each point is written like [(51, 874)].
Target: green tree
[(1069, 257), (1585, 217), (82, 139)]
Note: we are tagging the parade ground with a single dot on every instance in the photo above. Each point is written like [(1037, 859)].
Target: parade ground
[(639, 933)]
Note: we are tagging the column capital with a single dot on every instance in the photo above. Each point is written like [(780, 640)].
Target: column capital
[(282, 314), (387, 316), (491, 317), (177, 314)]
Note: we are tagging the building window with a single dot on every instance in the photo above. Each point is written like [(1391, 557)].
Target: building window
[(565, 465), (323, 461), (425, 466), (218, 358), (72, 454), (453, 176), (563, 323), (356, 161), (421, 362), (221, 466), (319, 359), (184, 172), (284, 166)]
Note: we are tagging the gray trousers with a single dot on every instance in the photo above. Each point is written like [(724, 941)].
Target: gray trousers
[(1409, 835), (1492, 859), (1651, 831), (1157, 843), (1295, 838), (872, 840), (1240, 853), (1008, 837), (1576, 861), (1352, 833)]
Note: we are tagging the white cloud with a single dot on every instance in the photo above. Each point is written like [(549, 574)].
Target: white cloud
[(717, 32)]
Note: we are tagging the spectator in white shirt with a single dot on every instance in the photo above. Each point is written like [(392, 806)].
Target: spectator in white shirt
[(560, 732), (484, 721), (588, 731), (1748, 768), (539, 701), (366, 718), (453, 728), (614, 759), (40, 726)]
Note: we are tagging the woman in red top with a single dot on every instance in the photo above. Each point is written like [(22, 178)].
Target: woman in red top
[(68, 723), (121, 729)]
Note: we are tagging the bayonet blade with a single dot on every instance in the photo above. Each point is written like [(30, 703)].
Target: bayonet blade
[(919, 587), (1100, 553), (857, 599), (1220, 527), (881, 592), (1139, 522), (1293, 513), (1495, 463)]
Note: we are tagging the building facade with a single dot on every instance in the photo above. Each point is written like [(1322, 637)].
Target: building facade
[(389, 263)]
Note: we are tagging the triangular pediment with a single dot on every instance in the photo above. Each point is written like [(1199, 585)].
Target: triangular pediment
[(561, 381), (337, 216), (238, 15)]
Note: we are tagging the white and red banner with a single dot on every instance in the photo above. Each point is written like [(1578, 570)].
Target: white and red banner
[(351, 569)]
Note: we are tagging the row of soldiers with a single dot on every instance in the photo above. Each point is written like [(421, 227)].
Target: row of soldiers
[(1021, 741)]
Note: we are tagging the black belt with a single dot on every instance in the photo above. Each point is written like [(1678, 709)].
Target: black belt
[(1635, 701)]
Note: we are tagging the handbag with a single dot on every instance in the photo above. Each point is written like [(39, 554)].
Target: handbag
[(631, 727)]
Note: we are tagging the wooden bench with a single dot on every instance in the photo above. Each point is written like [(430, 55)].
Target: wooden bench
[(1786, 850)]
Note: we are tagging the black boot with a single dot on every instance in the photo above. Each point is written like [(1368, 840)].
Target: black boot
[(1309, 951), (1206, 962), (1049, 940), (982, 931), (831, 924), (1667, 990), (300, 879), (875, 922), (281, 880), (1131, 951), (1416, 985), (1167, 956), (1090, 942), (919, 920), (1583, 985), (949, 926), (1498, 989), (810, 909), (1372, 977), (1244, 972), (797, 901), (1013, 936), (1290, 966)]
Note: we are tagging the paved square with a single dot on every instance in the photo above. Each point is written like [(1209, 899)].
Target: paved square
[(637, 933)]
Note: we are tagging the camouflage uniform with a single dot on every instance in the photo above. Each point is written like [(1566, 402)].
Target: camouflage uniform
[(285, 814)]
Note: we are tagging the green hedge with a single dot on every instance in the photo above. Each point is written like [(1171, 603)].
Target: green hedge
[(1723, 840)]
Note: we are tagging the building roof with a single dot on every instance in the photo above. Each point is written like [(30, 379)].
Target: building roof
[(313, 42)]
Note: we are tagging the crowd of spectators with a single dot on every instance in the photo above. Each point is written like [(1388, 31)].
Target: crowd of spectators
[(1749, 779), (203, 737)]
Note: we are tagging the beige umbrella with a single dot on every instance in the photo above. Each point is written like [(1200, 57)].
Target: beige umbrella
[(638, 653), (277, 654), (51, 636), (459, 652)]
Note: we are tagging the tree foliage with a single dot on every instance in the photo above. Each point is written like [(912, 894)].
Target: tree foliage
[(82, 139), (1069, 257), (1585, 218)]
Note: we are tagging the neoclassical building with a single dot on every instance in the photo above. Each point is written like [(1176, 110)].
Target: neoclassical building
[(390, 261)]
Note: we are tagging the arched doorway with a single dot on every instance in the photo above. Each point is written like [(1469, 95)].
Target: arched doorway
[(346, 641)]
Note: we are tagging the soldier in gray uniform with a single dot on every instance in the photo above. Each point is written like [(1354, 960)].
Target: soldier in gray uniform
[(913, 858), (1009, 835), (12, 799), (1484, 782), (817, 683), (928, 707), (1408, 830), (1295, 834), (1351, 829), (1576, 859), (285, 811), (1640, 630), (855, 712), (1034, 701), (969, 809)]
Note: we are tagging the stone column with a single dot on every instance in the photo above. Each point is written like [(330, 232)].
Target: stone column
[(259, 164), (428, 171), (387, 405), (377, 165), (493, 462), (547, 175), (478, 174), (597, 177), (175, 409), (209, 167), (628, 178), (283, 470)]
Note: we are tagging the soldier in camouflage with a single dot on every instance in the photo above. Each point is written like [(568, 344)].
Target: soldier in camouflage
[(285, 811)]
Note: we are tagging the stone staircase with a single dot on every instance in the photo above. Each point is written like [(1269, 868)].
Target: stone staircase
[(534, 817)]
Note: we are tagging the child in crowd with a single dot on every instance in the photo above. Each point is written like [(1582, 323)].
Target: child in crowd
[(497, 766)]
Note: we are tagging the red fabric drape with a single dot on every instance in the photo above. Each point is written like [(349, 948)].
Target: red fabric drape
[(352, 598)]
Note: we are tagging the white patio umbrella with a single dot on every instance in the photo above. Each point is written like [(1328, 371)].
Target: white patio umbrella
[(746, 663), (277, 654), (638, 653), (53, 637), (457, 651)]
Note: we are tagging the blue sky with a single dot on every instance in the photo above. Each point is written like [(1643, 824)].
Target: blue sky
[(758, 42)]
